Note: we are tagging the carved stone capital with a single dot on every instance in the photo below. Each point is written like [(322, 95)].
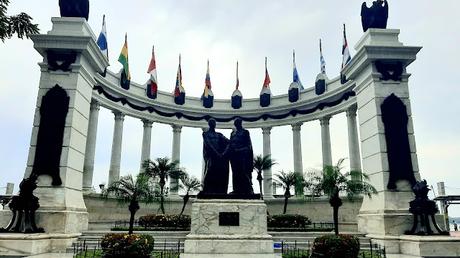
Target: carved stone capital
[(95, 106), (325, 120), (351, 111), (147, 123), (119, 115), (266, 130), (296, 127), (176, 128)]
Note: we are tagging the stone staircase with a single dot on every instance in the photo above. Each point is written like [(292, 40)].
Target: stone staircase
[(167, 240)]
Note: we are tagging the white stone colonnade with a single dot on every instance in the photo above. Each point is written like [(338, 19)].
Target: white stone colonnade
[(114, 172)]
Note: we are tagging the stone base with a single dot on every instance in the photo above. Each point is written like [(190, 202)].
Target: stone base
[(31, 244), (243, 235), (419, 246)]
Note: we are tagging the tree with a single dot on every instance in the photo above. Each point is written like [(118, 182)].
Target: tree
[(287, 180), (132, 192), (333, 181), (162, 169), (189, 183), (262, 163), (20, 24)]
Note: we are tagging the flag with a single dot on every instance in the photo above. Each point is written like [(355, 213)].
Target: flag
[(124, 60), (346, 57), (152, 70), (321, 58), (207, 84), (237, 78), (345, 50), (237, 98), (295, 74), (102, 40), (267, 78), (178, 89)]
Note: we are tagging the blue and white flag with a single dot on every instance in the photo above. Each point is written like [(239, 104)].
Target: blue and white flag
[(321, 58), (295, 74), (102, 40)]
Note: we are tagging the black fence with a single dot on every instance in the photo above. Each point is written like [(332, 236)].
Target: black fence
[(298, 250), (123, 225), (163, 249)]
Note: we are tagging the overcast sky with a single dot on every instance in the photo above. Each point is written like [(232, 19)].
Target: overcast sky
[(228, 30)]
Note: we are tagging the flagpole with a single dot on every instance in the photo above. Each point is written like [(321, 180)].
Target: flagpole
[(265, 63), (320, 48), (293, 58), (237, 79)]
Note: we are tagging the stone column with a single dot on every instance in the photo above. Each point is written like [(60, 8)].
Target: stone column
[(62, 211), (326, 141), (297, 148), (379, 56), (297, 153), (174, 183), (146, 142), (88, 167), (268, 176), (353, 140), (115, 160)]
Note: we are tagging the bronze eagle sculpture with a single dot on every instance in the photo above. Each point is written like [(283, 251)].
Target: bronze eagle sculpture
[(375, 16)]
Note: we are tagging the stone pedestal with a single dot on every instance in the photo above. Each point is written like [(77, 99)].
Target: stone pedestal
[(379, 71), (419, 246), (388, 212), (71, 58), (228, 228)]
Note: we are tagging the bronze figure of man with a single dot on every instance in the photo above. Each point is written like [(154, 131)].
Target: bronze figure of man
[(241, 159), (216, 167)]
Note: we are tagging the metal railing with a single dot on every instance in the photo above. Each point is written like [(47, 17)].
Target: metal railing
[(83, 249), (295, 250)]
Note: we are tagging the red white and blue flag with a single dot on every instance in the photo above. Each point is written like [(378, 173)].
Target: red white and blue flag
[(266, 85), (152, 70), (178, 89), (207, 84), (345, 50)]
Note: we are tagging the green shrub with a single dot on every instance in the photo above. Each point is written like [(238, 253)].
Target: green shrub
[(165, 221), (332, 246), (288, 221), (125, 245)]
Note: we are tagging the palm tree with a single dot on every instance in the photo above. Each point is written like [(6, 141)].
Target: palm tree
[(20, 24), (333, 181), (287, 180), (189, 183), (262, 163), (132, 191), (162, 169)]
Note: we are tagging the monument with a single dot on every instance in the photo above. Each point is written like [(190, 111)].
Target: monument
[(71, 90), (234, 224)]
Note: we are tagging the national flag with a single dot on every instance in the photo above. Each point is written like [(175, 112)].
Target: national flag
[(345, 50), (102, 40), (295, 74), (178, 89), (152, 70), (321, 58), (207, 84), (123, 58), (237, 77), (267, 77)]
